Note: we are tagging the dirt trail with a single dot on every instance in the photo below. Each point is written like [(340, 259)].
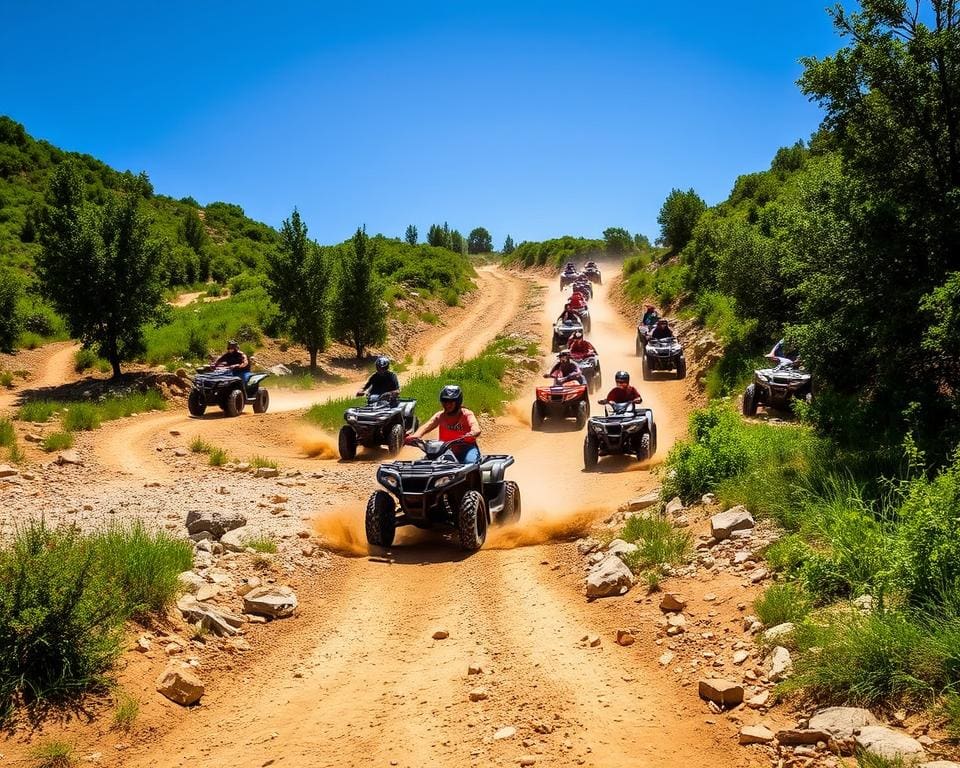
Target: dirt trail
[(357, 679), (55, 369)]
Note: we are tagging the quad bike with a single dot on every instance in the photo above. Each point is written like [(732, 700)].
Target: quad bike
[(567, 277), (625, 428), (584, 314), (592, 272), (590, 368), (439, 491), (643, 336), (664, 355), (560, 401), (777, 387), (225, 388), (562, 332), (383, 420), (585, 287)]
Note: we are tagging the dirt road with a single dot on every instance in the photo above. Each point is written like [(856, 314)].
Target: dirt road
[(357, 680)]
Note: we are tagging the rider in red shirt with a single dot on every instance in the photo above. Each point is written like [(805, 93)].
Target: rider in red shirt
[(454, 422), (579, 347), (623, 392), (576, 301)]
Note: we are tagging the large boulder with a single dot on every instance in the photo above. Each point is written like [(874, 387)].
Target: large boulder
[(888, 743), (842, 722), (214, 523), (734, 519), (236, 540), (178, 683), (781, 630), (216, 620), (609, 577), (619, 547), (274, 602)]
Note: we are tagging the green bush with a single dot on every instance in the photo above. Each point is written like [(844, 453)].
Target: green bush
[(781, 603), (37, 411), (657, 542), (81, 417), (7, 435), (57, 441), (218, 457), (6, 379), (52, 754), (263, 545), (83, 359)]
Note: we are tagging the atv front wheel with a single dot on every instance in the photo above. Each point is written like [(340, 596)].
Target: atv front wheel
[(347, 443), (681, 368), (235, 402), (750, 401), (472, 520), (645, 366), (591, 453), (639, 345), (395, 442), (511, 504), (583, 412), (536, 416), (645, 451), (262, 401), (195, 403), (381, 519)]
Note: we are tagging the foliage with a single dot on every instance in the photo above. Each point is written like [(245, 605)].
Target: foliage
[(57, 441), (80, 417), (657, 541), (479, 241), (126, 712), (555, 252), (618, 241), (299, 282), (410, 236), (37, 411), (7, 434), (508, 246), (359, 317), (10, 320), (199, 445), (263, 544), (678, 216), (100, 267), (52, 754), (781, 603)]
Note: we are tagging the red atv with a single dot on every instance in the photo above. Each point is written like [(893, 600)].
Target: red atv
[(567, 400)]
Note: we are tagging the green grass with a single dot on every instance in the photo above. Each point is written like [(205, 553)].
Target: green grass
[(303, 381), (657, 540), (199, 445), (78, 416), (52, 754), (262, 544), (8, 436), (873, 760), (480, 378), (38, 411), (261, 461), (6, 379), (84, 359), (781, 603), (218, 457), (16, 454), (57, 441), (81, 417), (64, 598), (126, 712)]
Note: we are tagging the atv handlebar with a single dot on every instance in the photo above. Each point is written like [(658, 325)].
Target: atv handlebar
[(420, 443)]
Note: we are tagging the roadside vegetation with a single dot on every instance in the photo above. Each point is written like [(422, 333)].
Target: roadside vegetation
[(616, 241)]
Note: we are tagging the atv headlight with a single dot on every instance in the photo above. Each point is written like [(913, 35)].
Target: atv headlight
[(390, 480), (631, 428), (442, 481), (764, 378), (351, 418), (598, 428)]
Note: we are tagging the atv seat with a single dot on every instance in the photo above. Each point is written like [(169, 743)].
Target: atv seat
[(493, 467)]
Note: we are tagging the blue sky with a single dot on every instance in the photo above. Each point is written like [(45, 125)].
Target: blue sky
[(530, 118)]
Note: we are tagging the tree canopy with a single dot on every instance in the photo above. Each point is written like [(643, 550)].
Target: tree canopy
[(678, 216), (360, 319), (479, 241)]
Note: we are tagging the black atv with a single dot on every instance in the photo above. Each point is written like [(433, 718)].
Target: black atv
[(590, 368), (567, 277), (560, 401), (777, 387), (592, 273), (584, 286), (584, 314), (562, 331), (439, 491), (664, 355), (383, 420), (643, 336), (225, 388), (625, 428)]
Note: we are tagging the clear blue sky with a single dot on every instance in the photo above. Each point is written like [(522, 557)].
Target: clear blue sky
[(530, 118)]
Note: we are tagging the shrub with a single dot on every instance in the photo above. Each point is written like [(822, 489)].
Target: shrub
[(126, 712), (81, 417), (657, 542), (52, 754), (57, 441), (218, 457), (781, 603), (37, 411), (7, 435), (262, 544), (16, 454), (261, 461), (199, 445), (83, 359), (6, 379)]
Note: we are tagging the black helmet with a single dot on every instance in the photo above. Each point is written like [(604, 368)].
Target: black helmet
[(383, 363), (451, 393), (621, 376), (232, 343), (563, 353)]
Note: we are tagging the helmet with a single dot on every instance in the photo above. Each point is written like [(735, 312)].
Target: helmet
[(232, 343), (661, 321), (576, 335), (451, 393), (621, 376), (648, 306), (383, 363), (564, 353)]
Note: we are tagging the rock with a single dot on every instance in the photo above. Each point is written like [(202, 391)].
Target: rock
[(181, 452), (676, 622), (180, 684), (794, 737), (778, 664), (593, 641), (722, 692), (619, 547), (740, 656), (267, 472), (864, 603), (758, 575), (239, 644), (251, 583), (191, 581), (207, 592), (33, 437), (275, 602), (279, 499), (69, 457), (216, 620), (214, 523), (143, 644), (609, 577), (440, 634), (526, 760), (625, 637), (755, 734), (505, 733), (236, 540), (279, 370), (734, 519), (888, 743), (665, 658), (842, 722), (8, 471), (674, 507), (586, 546), (475, 668), (781, 630), (707, 499), (642, 502), (478, 694), (759, 701), (940, 764), (672, 602)]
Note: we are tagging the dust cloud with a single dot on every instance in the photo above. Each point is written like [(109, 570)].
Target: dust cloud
[(341, 530), (542, 526), (317, 444)]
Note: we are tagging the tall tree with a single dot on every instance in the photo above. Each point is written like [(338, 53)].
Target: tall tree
[(455, 241), (192, 230), (678, 216), (617, 240), (101, 268), (508, 246), (298, 280), (439, 236), (360, 318), (479, 241), (411, 234)]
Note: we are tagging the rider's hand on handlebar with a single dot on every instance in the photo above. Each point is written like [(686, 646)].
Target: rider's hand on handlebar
[(602, 402), (410, 440)]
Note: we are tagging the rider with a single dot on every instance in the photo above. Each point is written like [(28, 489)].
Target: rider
[(565, 370), (454, 422), (234, 359), (382, 382), (650, 316), (568, 315), (579, 347), (662, 329), (577, 301), (624, 392), (780, 356)]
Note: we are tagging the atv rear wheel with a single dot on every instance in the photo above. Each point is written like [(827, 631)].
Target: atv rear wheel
[(536, 416), (235, 402), (381, 519), (639, 344), (395, 441), (645, 451), (681, 368), (472, 520), (645, 366), (511, 504), (583, 413), (262, 401), (347, 443), (750, 400), (591, 452), (653, 438), (195, 403)]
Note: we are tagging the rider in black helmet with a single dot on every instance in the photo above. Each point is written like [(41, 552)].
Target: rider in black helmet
[(624, 392), (382, 382), (455, 422)]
